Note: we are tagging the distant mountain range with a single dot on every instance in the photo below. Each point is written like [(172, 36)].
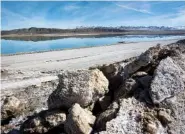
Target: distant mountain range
[(34, 30), (141, 27), (151, 28), (89, 30), (180, 27)]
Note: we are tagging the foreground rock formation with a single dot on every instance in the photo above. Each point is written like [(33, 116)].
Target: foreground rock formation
[(82, 86), (79, 121), (144, 94)]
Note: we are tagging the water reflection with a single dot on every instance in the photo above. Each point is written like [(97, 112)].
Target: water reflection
[(45, 38)]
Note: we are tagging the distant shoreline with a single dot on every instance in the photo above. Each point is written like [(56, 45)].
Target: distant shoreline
[(53, 36), (61, 35), (53, 50), (135, 32)]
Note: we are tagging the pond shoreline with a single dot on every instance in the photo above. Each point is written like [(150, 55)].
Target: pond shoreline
[(63, 49), (83, 34), (52, 50)]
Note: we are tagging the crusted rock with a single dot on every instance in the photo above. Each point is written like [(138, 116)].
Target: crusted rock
[(128, 87), (112, 73), (55, 119), (181, 42), (176, 105), (82, 86), (155, 128), (167, 81), (11, 107), (128, 119), (44, 122), (143, 60), (151, 124), (79, 121), (164, 117), (151, 128), (33, 94), (110, 70), (9, 129), (106, 116)]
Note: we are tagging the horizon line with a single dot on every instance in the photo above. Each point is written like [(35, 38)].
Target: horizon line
[(91, 27)]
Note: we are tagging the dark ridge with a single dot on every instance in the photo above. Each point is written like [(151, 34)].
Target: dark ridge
[(34, 30), (181, 41)]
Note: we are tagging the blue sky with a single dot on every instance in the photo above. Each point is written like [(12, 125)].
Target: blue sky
[(58, 14)]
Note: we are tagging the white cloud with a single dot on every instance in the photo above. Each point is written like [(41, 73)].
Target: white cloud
[(135, 9)]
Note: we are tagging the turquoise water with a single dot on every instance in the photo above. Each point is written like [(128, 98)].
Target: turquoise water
[(15, 46)]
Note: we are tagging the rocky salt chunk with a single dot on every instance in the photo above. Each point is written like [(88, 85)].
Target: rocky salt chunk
[(79, 121), (128, 118), (167, 81), (82, 86), (11, 107), (44, 122)]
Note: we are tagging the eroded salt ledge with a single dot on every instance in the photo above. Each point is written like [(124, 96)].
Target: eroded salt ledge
[(144, 94)]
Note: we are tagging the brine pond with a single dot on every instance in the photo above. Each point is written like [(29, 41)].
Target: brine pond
[(37, 44)]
